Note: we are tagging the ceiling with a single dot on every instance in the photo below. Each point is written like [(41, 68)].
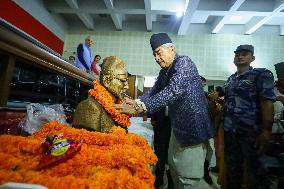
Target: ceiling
[(198, 16)]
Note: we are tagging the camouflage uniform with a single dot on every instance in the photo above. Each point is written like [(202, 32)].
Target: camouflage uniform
[(242, 124)]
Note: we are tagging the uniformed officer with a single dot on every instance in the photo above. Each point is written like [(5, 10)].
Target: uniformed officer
[(248, 118)]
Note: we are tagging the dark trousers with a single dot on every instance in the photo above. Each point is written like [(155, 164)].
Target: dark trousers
[(162, 133), (240, 148)]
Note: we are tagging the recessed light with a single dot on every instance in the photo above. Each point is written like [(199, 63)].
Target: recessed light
[(179, 12)]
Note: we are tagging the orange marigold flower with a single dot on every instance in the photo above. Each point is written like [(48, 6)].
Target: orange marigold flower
[(106, 160), (104, 98)]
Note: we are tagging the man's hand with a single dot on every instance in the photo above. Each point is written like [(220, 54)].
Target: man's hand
[(125, 108), (129, 101), (267, 116), (262, 141)]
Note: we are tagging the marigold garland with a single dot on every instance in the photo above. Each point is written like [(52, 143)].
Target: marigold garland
[(106, 160), (106, 100)]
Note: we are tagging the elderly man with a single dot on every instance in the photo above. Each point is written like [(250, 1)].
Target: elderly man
[(248, 117), (279, 67), (95, 112), (84, 55), (191, 125)]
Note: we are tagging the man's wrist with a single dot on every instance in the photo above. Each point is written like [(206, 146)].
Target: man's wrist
[(140, 106)]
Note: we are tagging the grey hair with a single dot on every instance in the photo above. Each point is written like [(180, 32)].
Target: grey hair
[(169, 45)]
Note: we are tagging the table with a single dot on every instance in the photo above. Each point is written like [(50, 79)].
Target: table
[(143, 129)]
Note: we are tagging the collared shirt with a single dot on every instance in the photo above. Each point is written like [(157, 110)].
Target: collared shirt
[(179, 87), (243, 94)]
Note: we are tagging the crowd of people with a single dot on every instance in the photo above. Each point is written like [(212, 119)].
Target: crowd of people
[(196, 132)]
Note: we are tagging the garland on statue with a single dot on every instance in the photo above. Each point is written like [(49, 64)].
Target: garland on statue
[(105, 99)]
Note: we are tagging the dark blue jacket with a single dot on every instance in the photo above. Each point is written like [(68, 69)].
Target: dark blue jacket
[(183, 93)]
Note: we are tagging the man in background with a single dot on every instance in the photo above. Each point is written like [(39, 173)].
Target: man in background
[(204, 82), (162, 132), (281, 87), (71, 60), (248, 118), (84, 55), (210, 158), (279, 67)]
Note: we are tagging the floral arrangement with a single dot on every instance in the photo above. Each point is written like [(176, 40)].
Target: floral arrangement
[(106, 160), (106, 100)]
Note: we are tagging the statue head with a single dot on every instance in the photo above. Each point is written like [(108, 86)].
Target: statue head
[(113, 76)]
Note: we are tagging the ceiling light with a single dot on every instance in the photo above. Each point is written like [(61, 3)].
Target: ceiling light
[(236, 18), (179, 12)]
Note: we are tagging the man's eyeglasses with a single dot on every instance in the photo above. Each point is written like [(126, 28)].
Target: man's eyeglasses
[(122, 80)]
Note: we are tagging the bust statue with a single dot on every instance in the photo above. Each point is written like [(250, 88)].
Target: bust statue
[(96, 112)]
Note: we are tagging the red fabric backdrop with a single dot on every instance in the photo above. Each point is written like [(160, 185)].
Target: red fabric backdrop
[(14, 14)]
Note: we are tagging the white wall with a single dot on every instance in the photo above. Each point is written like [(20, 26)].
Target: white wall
[(212, 54)]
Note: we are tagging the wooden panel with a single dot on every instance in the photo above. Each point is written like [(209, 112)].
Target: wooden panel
[(132, 88), (20, 47), (21, 50)]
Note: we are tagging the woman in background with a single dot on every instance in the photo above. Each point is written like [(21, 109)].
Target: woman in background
[(217, 98), (95, 65)]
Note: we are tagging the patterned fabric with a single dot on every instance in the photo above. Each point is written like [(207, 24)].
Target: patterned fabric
[(184, 95), (243, 96), (95, 68)]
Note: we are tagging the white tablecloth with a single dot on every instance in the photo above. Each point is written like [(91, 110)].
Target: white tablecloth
[(143, 129)]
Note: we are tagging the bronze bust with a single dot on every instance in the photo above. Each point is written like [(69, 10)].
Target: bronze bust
[(91, 113)]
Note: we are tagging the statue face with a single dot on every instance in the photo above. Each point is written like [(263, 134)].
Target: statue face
[(114, 76), (118, 85)]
